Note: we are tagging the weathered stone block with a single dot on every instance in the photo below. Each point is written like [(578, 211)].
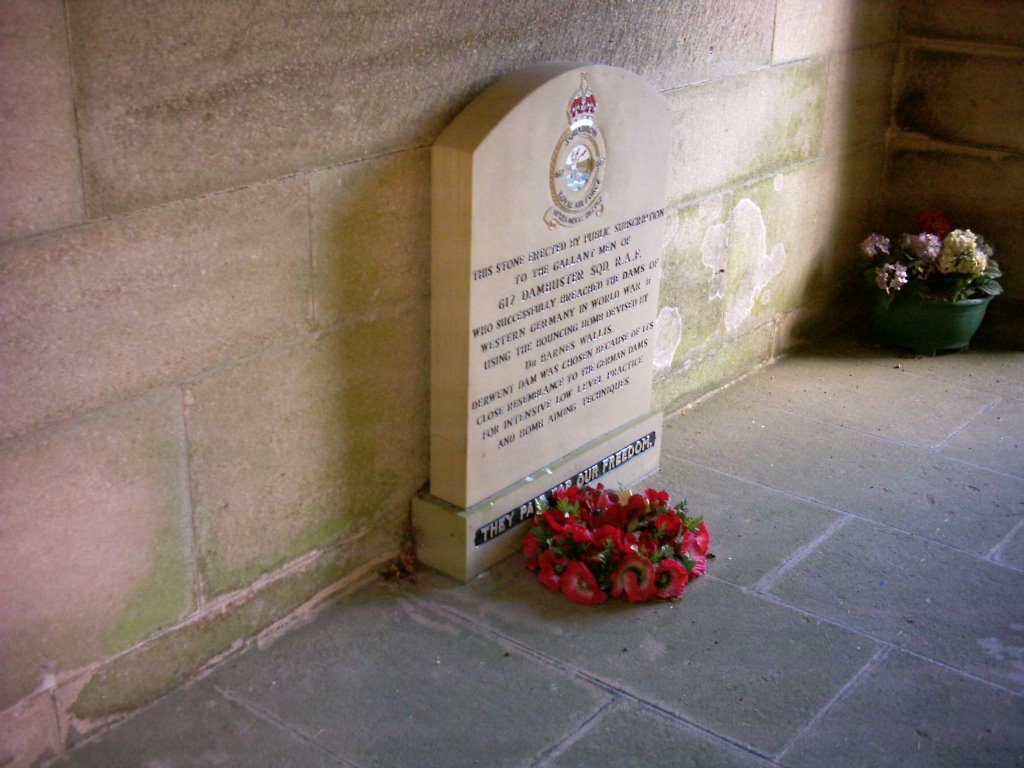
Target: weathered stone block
[(763, 249), (199, 725), (705, 370), (28, 732), (908, 592), (173, 102), (743, 127), (976, 20), (40, 184), (294, 448), (857, 107), (692, 280), (963, 186), (93, 314), (371, 235), (805, 28), (940, 97), (914, 713), (152, 669), (398, 685), (93, 551)]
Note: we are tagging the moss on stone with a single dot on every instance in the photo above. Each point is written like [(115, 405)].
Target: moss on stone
[(156, 667), (715, 368)]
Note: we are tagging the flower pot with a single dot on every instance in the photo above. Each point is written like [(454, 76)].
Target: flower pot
[(928, 326)]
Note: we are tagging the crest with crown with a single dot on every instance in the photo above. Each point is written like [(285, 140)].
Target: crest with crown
[(583, 104)]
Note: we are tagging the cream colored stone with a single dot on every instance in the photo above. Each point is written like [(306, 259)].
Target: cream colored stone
[(371, 235), (93, 539), (40, 180), (805, 28), (728, 131), (28, 732), (465, 542), (291, 450), (544, 284), (93, 314), (175, 101)]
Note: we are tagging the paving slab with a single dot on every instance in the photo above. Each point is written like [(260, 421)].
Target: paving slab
[(994, 439), (197, 726), (992, 371), (629, 734), (720, 658), (908, 712), (915, 594), (1011, 550), (859, 394), (753, 529), (874, 477), (382, 682)]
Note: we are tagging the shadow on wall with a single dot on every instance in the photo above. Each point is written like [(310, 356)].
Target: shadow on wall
[(860, 85), (371, 301)]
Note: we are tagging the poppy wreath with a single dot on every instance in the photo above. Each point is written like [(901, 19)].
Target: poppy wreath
[(594, 543)]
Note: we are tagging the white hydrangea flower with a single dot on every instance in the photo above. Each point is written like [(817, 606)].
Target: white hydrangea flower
[(960, 254)]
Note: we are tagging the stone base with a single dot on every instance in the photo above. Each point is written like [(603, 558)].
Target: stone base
[(465, 542)]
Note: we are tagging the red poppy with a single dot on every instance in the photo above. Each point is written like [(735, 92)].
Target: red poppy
[(635, 578), (549, 578), (555, 519), (579, 534), (670, 579), (666, 525), (614, 516), (580, 586), (607, 533), (531, 551), (596, 538), (549, 561), (661, 497)]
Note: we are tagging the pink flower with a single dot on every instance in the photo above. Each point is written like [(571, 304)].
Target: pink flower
[(891, 277), (875, 244), (696, 542), (700, 565)]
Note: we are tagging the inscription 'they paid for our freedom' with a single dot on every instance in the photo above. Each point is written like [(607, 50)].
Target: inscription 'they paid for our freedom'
[(564, 327)]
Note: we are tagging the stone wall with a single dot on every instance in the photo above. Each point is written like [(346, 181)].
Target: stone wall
[(214, 286), (957, 139)]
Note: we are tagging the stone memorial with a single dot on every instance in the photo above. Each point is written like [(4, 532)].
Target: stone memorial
[(548, 205)]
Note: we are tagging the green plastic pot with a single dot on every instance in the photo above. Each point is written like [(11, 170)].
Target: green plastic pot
[(928, 326)]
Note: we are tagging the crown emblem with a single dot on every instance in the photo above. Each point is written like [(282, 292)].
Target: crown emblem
[(577, 164), (583, 105)]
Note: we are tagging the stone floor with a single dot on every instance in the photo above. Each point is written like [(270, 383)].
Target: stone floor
[(865, 608)]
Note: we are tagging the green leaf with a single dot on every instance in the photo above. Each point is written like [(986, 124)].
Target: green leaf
[(990, 287)]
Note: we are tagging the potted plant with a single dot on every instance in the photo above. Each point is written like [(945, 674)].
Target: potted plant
[(933, 286)]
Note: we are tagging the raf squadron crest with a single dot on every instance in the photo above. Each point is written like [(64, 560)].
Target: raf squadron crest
[(577, 165)]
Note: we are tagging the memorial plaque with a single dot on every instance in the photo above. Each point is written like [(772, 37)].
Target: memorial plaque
[(548, 206)]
